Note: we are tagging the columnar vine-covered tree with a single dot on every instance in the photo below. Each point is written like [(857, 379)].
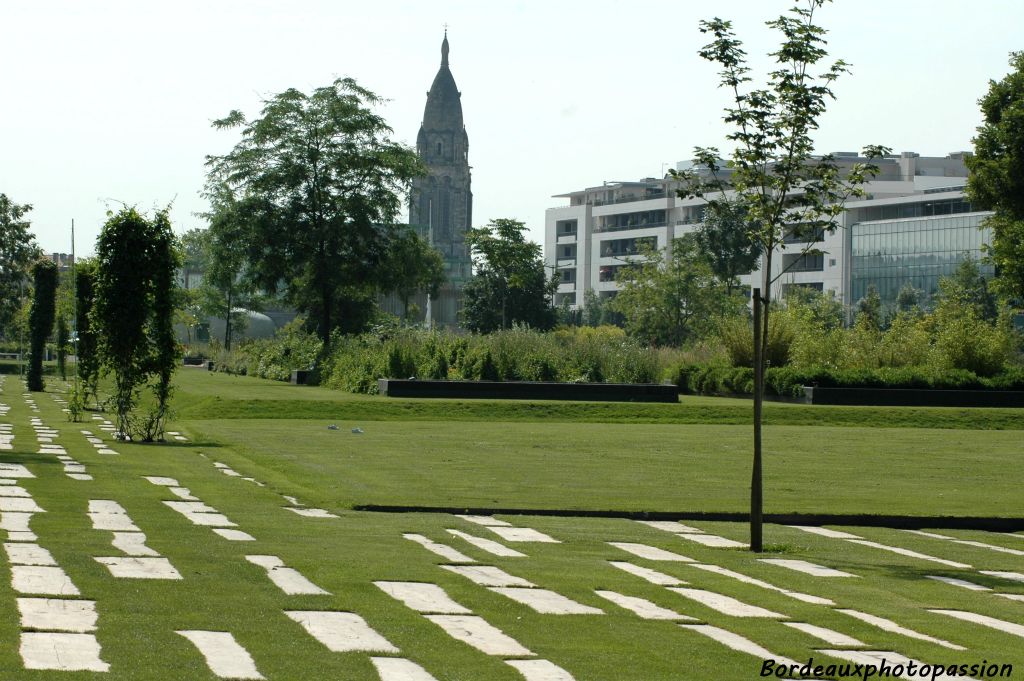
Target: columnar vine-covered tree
[(133, 309), (772, 172), (317, 182), (44, 276)]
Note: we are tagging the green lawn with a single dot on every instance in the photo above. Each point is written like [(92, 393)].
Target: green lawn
[(546, 462)]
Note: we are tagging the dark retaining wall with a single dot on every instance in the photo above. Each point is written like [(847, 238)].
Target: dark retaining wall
[(902, 397), (529, 390)]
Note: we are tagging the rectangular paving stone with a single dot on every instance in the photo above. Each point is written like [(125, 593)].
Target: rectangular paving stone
[(485, 520), (399, 669), (806, 567), (478, 633), (487, 575), (224, 656), (61, 652), (546, 602), (163, 482), (643, 608), (540, 670), (890, 626), (57, 614), (714, 541), (289, 580), (647, 574), (28, 554), (113, 522), (443, 550), (727, 605), (522, 534), (984, 620), (132, 567), (41, 581), (132, 543), (650, 552), (736, 642), (833, 638), (491, 547), (341, 632), (912, 554), (423, 597), (18, 505), (233, 535)]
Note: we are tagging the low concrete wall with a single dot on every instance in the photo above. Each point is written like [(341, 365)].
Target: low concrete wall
[(527, 390), (902, 397)]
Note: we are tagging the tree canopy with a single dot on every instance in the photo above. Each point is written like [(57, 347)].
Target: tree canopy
[(18, 251), (412, 266), (509, 285), (316, 183), (996, 180), (672, 296)]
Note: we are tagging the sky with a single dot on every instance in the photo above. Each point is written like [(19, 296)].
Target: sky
[(109, 102)]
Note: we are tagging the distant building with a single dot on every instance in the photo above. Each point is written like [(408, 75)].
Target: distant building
[(64, 261), (913, 227), (441, 204)]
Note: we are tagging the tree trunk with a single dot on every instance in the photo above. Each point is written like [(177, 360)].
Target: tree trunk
[(756, 498), (227, 325)]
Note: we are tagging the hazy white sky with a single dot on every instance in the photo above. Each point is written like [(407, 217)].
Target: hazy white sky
[(110, 101)]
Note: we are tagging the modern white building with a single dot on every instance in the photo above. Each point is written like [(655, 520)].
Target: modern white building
[(914, 226)]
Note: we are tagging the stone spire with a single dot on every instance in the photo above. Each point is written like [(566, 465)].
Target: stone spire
[(441, 205)]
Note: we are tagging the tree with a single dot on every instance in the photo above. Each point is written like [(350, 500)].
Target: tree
[(18, 251), (723, 238), (412, 266), (226, 291), (772, 172), (132, 313), (88, 361), (509, 285), (62, 346), (44, 276), (996, 180), (869, 309), (671, 296), (318, 183)]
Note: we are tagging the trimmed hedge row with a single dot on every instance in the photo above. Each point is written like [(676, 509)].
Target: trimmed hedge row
[(789, 382)]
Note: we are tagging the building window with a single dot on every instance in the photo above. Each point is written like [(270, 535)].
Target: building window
[(567, 227), (805, 262), (438, 148), (608, 273), (568, 276), (647, 218), (617, 247)]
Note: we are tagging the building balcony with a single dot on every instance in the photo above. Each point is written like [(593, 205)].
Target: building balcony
[(626, 228), (567, 287), (566, 238), (566, 262)]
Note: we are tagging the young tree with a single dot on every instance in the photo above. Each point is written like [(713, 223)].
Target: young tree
[(18, 251), (44, 276), (996, 180), (509, 285), (164, 260), (671, 296), (318, 182), (772, 172), (226, 291)]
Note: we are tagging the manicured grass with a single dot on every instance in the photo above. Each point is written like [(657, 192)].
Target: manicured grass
[(203, 395), (629, 468), (559, 463)]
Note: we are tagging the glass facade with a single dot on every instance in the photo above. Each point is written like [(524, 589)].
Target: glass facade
[(917, 251)]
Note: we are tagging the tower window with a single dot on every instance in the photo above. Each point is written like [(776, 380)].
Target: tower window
[(438, 148)]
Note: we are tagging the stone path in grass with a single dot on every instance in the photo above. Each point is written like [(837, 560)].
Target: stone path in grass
[(680, 577)]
